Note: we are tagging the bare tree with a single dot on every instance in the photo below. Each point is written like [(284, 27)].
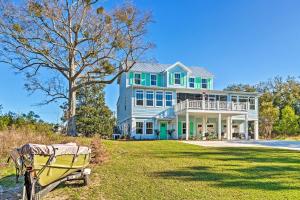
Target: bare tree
[(70, 44)]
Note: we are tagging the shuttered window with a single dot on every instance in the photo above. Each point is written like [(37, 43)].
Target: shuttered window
[(177, 77)]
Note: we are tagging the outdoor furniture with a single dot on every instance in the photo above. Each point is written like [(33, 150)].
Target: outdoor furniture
[(45, 166)]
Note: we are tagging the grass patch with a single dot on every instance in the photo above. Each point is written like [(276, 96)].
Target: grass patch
[(173, 170)]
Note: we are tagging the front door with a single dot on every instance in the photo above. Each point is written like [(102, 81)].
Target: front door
[(163, 131)]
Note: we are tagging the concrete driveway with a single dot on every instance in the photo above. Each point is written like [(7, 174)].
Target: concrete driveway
[(280, 144)]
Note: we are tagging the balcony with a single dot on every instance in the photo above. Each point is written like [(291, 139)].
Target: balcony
[(204, 105)]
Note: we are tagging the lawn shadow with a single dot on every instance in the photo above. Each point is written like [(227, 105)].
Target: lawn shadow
[(243, 168)]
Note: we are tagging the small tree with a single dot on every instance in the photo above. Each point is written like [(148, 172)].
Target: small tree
[(73, 43), (93, 116), (288, 123), (268, 115)]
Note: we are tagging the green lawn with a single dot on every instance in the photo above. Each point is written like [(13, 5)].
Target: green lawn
[(173, 170)]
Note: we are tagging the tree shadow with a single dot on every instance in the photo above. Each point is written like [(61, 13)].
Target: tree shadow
[(243, 168), (246, 179)]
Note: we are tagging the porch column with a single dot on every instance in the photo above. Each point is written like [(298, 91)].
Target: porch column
[(187, 126), (228, 127), (204, 126), (256, 130), (219, 126), (246, 127), (176, 126)]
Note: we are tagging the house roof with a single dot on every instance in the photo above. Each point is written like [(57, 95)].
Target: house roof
[(157, 68)]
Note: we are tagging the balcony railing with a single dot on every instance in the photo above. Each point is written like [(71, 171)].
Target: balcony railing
[(211, 105)]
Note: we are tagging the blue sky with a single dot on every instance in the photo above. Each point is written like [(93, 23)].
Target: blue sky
[(239, 41)]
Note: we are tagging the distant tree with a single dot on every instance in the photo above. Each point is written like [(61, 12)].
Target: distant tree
[(288, 123), (76, 43), (93, 116), (240, 88), (268, 116)]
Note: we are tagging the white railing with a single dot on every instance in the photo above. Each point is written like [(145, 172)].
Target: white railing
[(211, 105)]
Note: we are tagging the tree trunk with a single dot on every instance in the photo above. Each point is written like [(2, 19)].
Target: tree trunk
[(72, 110)]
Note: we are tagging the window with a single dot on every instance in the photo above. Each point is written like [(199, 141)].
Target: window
[(149, 98), (149, 127), (243, 99), (183, 128), (234, 99), (252, 103), (159, 99), (139, 98), (177, 78), (137, 79), (139, 127), (168, 98), (204, 83), (192, 82), (153, 79)]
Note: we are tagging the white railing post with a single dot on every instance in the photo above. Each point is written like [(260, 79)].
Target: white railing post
[(203, 104), (187, 104)]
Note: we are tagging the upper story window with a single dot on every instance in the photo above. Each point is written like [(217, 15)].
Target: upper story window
[(159, 98), (204, 83), (169, 98), (149, 127), (149, 98), (252, 103), (192, 82), (177, 77), (139, 98), (153, 79), (137, 79), (139, 127)]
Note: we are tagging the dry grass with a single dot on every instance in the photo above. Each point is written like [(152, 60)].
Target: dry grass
[(99, 153)]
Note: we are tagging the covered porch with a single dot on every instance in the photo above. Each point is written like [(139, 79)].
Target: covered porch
[(215, 125)]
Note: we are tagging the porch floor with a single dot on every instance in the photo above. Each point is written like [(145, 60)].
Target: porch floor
[(280, 144)]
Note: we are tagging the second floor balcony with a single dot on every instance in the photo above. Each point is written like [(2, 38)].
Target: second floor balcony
[(205, 105)]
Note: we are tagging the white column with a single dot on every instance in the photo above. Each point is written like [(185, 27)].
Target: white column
[(187, 125), (229, 128), (219, 126), (204, 126), (256, 130), (176, 126), (246, 126)]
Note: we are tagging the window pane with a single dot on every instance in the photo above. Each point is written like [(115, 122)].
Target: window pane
[(149, 97), (204, 83), (168, 98), (183, 128), (177, 78), (252, 103), (153, 79), (139, 127), (137, 79), (139, 98), (149, 127), (159, 99), (192, 82)]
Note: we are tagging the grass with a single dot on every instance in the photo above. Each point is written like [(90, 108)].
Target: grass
[(173, 170)]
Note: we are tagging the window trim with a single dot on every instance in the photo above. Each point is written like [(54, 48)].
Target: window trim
[(146, 99), (168, 100), (143, 124), (140, 78), (135, 96), (162, 99), (193, 81), (175, 78), (155, 79), (147, 128)]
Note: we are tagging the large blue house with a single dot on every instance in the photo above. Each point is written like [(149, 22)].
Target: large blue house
[(173, 101)]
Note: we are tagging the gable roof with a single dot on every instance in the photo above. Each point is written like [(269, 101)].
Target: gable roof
[(157, 68)]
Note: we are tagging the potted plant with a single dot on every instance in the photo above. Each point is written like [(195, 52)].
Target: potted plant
[(170, 132)]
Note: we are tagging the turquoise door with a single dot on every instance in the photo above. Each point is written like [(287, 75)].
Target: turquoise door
[(163, 131)]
